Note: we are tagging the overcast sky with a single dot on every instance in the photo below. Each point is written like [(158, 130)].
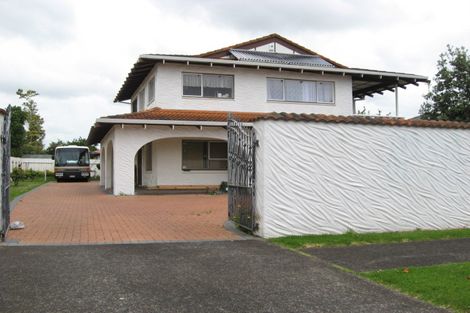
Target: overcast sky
[(76, 54)]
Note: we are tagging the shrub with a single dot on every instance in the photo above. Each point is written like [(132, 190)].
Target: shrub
[(223, 186), (16, 175)]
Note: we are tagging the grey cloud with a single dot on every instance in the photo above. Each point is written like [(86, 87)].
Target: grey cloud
[(40, 21), (292, 16)]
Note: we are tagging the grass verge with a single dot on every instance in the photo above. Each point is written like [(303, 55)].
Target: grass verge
[(25, 186), (352, 238), (445, 285)]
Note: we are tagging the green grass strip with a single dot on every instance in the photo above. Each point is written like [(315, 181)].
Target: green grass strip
[(352, 238), (25, 186), (445, 285)]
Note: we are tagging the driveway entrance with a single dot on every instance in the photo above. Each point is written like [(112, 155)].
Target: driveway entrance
[(81, 213)]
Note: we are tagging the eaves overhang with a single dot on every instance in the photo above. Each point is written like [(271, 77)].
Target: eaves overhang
[(366, 82)]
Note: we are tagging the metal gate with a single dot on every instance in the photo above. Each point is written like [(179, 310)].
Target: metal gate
[(241, 174), (5, 184)]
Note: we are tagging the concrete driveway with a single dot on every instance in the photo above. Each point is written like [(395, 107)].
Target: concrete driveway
[(218, 276), (82, 213)]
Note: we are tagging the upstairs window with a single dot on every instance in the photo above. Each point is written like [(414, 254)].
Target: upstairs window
[(151, 90), (204, 155), (300, 90), (141, 100), (208, 85)]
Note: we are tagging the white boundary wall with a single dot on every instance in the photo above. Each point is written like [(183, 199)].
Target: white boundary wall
[(319, 178), (36, 164)]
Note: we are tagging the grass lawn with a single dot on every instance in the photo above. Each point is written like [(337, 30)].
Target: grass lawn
[(351, 238), (25, 186), (445, 285)]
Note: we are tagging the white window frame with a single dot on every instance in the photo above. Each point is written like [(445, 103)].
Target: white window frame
[(151, 87), (201, 75), (141, 99), (208, 155), (300, 80)]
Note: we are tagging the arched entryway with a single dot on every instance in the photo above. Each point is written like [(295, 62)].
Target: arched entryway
[(163, 144), (194, 164)]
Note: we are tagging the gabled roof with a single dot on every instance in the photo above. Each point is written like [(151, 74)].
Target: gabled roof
[(250, 44), (365, 82)]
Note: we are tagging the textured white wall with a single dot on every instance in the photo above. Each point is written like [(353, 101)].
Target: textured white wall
[(250, 91), (316, 178), (128, 140)]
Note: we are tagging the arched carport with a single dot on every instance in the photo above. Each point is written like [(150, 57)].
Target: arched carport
[(131, 131), (129, 139)]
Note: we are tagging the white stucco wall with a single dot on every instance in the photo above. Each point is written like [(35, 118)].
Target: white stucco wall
[(128, 140), (250, 91), (317, 178)]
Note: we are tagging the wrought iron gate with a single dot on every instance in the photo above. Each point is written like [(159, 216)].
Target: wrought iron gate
[(5, 184), (241, 174)]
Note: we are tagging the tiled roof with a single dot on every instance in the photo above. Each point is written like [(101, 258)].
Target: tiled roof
[(279, 58), (99, 130), (363, 120), (187, 115)]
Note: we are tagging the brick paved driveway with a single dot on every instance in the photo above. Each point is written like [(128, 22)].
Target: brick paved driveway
[(82, 213)]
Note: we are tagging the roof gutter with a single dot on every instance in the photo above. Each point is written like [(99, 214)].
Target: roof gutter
[(344, 71), (160, 122)]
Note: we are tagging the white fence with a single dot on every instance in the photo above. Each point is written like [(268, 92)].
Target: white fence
[(32, 164), (46, 165)]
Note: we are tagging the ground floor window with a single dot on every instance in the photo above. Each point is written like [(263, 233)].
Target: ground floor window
[(204, 155)]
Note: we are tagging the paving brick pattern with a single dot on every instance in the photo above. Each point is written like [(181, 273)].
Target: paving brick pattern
[(81, 213)]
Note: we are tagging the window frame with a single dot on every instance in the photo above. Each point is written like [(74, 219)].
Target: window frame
[(151, 87), (299, 101), (141, 100), (201, 75), (208, 155)]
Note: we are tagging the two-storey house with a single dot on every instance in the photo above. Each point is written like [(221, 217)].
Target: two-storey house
[(175, 136)]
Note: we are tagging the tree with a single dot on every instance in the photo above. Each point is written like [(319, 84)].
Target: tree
[(17, 131), (54, 144), (76, 142), (449, 98), (35, 133)]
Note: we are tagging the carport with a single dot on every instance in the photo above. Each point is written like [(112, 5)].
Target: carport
[(149, 145)]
